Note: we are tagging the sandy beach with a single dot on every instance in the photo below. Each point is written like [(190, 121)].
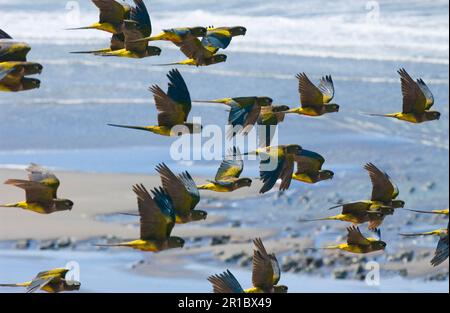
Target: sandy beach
[(63, 126), (212, 246), (94, 195)]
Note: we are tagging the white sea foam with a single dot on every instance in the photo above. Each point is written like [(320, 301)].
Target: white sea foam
[(340, 30)]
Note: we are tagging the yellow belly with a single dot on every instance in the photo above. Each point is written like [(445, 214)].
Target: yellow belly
[(5, 88), (253, 290), (308, 112), (123, 53), (32, 207), (351, 248), (142, 245), (169, 37), (188, 62), (48, 289), (351, 219), (107, 27), (303, 178), (215, 187), (407, 117), (160, 130)]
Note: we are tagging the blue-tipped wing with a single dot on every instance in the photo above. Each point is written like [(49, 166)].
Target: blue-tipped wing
[(140, 15), (216, 40), (4, 35), (239, 114), (178, 91), (225, 283)]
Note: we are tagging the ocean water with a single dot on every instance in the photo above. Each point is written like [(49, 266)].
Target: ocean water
[(103, 273), (360, 43)]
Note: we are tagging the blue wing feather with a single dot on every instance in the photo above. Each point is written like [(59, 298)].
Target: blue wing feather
[(216, 40), (178, 91), (4, 35), (140, 14), (238, 114)]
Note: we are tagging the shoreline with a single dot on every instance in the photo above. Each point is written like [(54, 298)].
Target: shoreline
[(221, 242)]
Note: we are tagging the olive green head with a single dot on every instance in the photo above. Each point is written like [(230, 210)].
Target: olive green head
[(198, 31), (30, 83), (433, 115), (398, 204), (326, 175), (218, 58), (238, 31), (176, 242), (293, 149), (198, 215), (332, 108), (379, 245), (264, 101), (244, 182), (280, 289), (63, 204), (31, 68), (281, 108), (153, 51)]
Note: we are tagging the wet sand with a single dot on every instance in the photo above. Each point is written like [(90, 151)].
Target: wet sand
[(212, 246)]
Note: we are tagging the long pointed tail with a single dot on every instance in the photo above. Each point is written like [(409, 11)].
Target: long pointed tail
[(202, 187), (410, 235), (333, 218), (425, 212), (91, 52), (130, 214), (146, 39), (11, 205), (291, 111), (418, 235), (107, 54), (12, 285), (220, 101), (330, 248), (112, 245), (79, 28), (379, 115), (130, 127), (169, 64)]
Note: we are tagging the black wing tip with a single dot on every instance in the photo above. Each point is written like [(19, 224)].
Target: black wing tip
[(174, 74), (328, 79), (370, 167), (222, 277), (140, 190), (161, 166), (401, 71), (187, 175), (404, 74), (160, 194), (353, 228), (4, 35), (154, 89), (259, 245), (301, 75)]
